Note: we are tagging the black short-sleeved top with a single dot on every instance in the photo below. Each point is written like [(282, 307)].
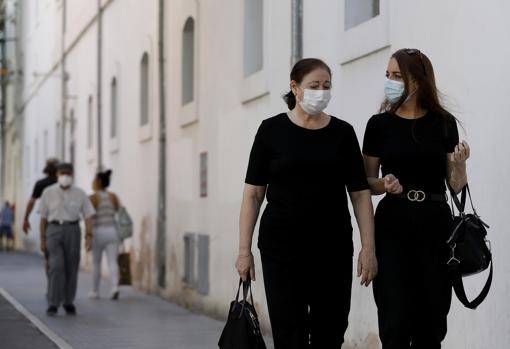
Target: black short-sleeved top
[(42, 184), (306, 173), (415, 151)]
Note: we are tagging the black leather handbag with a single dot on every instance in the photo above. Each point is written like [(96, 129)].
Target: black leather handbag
[(470, 251), (242, 330)]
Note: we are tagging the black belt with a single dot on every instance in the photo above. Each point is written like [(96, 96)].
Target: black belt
[(64, 222), (420, 196)]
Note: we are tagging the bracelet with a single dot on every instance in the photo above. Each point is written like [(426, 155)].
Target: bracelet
[(88, 236), (246, 256)]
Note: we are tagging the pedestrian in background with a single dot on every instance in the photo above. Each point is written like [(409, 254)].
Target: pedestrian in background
[(415, 143), (62, 206), (307, 161), (106, 237), (6, 223), (51, 178)]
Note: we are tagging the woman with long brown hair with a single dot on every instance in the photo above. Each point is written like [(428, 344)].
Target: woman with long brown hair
[(414, 141)]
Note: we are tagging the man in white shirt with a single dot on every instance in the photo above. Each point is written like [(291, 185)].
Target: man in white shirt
[(62, 206)]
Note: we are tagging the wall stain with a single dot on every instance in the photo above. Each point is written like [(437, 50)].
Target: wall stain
[(142, 262)]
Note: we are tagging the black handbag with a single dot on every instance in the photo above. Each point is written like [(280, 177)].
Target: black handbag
[(242, 330), (470, 251)]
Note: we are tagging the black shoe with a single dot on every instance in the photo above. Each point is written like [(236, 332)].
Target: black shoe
[(115, 295), (51, 311), (70, 309)]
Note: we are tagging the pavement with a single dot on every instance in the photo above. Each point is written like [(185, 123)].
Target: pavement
[(135, 321)]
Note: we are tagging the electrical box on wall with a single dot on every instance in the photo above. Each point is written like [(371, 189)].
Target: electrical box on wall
[(196, 262)]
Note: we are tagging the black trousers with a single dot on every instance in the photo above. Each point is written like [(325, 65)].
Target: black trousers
[(412, 290), (308, 300)]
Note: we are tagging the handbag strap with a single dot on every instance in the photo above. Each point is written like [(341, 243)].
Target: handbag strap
[(458, 286), (461, 205)]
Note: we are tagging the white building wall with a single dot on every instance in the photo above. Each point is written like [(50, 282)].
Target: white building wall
[(466, 41)]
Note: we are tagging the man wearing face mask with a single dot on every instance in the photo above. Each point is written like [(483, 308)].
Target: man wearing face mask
[(62, 206)]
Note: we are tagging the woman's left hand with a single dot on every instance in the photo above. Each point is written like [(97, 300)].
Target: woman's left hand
[(461, 153), (367, 265)]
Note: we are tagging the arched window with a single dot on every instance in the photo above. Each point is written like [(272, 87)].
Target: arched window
[(58, 137), (45, 145), (253, 36), (90, 123), (72, 145), (113, 108), (188, 61), (144, 90)]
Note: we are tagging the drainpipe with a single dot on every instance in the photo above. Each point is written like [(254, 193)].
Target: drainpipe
[(161, 239), (63, 83), (3, 108), (297, 31), (99, 85)]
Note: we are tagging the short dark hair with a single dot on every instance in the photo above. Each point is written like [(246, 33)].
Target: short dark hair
[(301, 69), (65, 167), (104, 178), (50, 168)]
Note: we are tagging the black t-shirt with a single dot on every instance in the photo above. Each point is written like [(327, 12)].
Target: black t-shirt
[(42, 184), (415, 151), (307, 173)]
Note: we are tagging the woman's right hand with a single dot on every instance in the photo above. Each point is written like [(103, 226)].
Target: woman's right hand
[(392, 185), (245, 266)]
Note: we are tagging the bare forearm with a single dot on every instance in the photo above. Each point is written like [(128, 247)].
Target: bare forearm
[(250, 209), (364, 212), (88, 226), (30, 208), (458, 177), (376, 185)]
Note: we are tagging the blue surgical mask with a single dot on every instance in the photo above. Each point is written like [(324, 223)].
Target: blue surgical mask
[(393, 90)]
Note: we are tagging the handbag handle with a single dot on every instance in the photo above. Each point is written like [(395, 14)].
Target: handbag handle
[(462, 203), (246, 287)]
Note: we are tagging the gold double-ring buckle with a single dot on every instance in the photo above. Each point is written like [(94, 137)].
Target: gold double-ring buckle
[(416, 195)]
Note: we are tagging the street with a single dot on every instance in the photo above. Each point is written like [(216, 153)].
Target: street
[(135, 321)]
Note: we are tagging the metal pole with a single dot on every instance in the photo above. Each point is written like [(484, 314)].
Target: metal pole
[(3, 109), (99, 84), (297, 31), (63, 84), (161, 240)]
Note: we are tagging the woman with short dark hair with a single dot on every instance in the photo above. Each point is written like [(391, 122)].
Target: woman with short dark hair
[(306, 161)]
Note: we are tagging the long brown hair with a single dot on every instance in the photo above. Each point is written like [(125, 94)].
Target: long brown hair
[(415, 65)]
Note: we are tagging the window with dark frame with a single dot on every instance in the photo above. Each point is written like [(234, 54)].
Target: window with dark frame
[(360, 11), (113, 108), (144, 89), (188, 62), (253, 36)]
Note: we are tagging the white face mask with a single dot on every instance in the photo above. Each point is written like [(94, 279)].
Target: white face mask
[(315, 101), (65, 180)]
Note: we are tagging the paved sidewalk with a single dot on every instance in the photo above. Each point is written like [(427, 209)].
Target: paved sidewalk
[(21, 332), (136, 321)]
